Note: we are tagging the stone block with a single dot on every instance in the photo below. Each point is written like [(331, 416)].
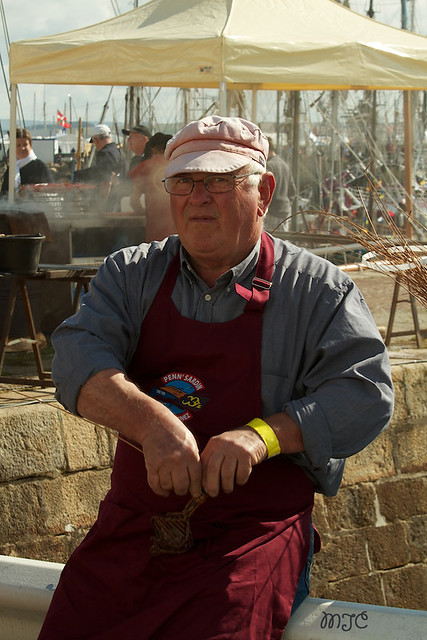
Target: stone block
[(405, 587), (341, 556), (20, 512), (352, 508), (30, 442), (402, 498), (411, 447), (417, 539), (364, 589), (72, 502), (410, 395), (416, 384), (318, 585), (320, 514), (388, 546), (87, 445), (374, 462), (401, 410), (49, 548)]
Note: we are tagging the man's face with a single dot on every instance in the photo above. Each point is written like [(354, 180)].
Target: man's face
[(221, 228), (99, 142), (137, 142), (23, 148)]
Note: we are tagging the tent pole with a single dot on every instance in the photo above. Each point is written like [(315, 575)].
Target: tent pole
[(222, 98), (254, 104), (295, 154), (278, 145), (407, 137), (12, 142), (407, 103)]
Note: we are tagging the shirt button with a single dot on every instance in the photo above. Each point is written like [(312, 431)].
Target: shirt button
[(208, 297)]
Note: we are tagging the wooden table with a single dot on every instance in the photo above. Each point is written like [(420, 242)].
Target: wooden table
[(79, 274), (377, 262)]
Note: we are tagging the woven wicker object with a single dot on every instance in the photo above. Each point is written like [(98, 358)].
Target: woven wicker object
[(172, 533)]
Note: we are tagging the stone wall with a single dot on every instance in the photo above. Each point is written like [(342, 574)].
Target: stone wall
[(55, 469), (374, 531)]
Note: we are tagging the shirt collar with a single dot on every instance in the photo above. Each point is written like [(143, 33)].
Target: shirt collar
[(239, 273)]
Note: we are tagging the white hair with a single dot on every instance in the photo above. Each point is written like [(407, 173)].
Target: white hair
[(256, 170)]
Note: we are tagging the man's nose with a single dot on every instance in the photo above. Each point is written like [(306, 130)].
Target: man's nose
[(199, 190)]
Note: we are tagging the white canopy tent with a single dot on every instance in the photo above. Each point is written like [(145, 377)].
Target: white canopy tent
[(233, 44)]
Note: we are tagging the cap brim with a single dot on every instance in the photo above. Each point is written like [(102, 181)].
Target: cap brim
[(214, 161)]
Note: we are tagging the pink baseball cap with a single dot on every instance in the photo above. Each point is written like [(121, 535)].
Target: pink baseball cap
[(215, 144)]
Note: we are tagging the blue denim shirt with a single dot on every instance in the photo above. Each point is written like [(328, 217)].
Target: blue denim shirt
[(323, 359)]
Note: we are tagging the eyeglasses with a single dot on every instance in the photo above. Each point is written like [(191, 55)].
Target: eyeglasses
[(216, 183)]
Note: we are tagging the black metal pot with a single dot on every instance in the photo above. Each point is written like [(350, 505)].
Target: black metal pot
[(20, 254)]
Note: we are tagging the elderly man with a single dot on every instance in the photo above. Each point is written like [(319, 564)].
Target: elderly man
[(239, 371), (107, 168), (139, 135)]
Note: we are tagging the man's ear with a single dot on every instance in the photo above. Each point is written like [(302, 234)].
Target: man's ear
[(266, 188)]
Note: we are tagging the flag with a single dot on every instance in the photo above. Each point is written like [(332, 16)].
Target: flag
[(62, 120)]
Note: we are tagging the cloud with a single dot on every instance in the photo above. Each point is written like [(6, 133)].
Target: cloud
[(49, 17)]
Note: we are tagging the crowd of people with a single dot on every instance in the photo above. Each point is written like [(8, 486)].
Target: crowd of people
[(240, 371), (139, 179)]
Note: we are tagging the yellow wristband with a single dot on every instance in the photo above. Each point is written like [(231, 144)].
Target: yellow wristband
[(267, 434)]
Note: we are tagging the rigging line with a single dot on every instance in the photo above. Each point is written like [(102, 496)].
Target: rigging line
[(149, 108), (393, 178), (2, 141), (5, 78), (377, 150), (7, 43), (115, 7), (346, 144), (7, 39), (8, 97), (5, 29)]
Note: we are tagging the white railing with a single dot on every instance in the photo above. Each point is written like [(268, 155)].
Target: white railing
[(317, 619), (27, 586), (26, 589)]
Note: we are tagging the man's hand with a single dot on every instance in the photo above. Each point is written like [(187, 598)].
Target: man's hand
[(170, 449), (172, 459), (228, 459)]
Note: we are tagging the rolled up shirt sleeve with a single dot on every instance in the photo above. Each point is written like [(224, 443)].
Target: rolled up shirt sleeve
[(104, 333), (326, 359), (349, 392)]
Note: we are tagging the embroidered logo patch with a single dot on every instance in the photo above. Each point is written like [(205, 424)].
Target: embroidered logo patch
[(181, 393)]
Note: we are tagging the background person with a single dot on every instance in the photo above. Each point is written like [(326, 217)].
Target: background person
[(280, 206), (107, 170), (147, 179), (235, 364), (29, 168), (139, 135)]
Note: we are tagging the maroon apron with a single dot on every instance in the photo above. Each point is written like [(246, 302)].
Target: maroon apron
[(239, 579)]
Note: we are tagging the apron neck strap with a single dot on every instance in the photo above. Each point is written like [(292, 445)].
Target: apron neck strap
[(259, 294)]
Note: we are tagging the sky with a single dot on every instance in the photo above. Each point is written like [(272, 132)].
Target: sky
[(47, 17)]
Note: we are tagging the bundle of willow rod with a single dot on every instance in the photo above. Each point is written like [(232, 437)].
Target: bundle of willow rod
[(395, 255)]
